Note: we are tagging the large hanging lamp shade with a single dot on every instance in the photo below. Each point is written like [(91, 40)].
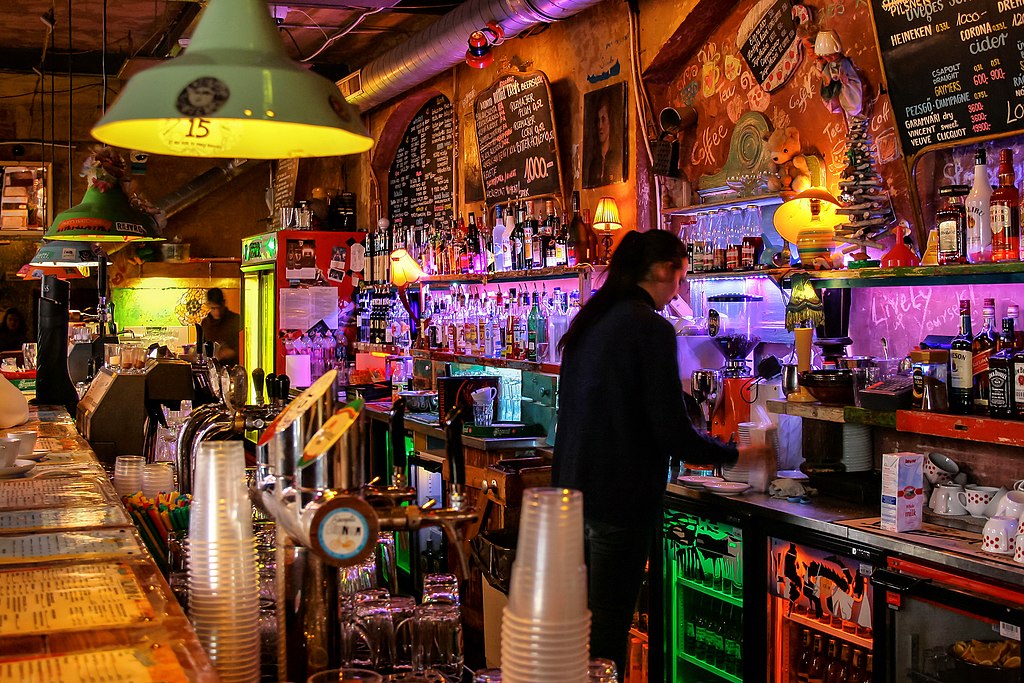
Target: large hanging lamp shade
[(105, 216), (233, 94), (60, 253), (31, 272)]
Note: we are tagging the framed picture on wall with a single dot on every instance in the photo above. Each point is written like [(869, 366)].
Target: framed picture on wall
[(605, 136)]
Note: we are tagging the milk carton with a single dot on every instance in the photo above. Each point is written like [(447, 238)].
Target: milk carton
[(902, 491)]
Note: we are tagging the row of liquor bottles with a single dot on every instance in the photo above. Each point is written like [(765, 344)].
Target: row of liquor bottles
[(517, 325), (713, 632), (986, 371), (981, 222), (836, 662), (522, 238)]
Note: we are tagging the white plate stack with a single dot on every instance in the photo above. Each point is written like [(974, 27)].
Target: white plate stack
[(223, 588), (857, 448), (545, 629)]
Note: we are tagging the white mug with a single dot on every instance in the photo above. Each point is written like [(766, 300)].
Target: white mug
[(8, 451), (944, 500), (938, 469), (997, 499), (976, 498), (1018, 549), (1012, 505), (999, 535)]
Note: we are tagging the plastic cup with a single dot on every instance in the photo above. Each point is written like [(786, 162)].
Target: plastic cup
[(554, 596)]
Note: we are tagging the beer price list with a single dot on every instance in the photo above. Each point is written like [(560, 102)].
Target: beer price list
[(38, 547), (955, 68), (63, 518), (423, 173), (516, 137), (43, 493), (119, 665)]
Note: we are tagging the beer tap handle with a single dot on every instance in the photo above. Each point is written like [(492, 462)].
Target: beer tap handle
[(271, 382), (456, 456), (283, 385), (257, 383), (399, 460)]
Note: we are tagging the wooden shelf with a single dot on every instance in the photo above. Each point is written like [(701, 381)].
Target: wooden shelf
[(528, 366), (770, 199), (515, 275), (827, 413), (22, 235), (832, 631), (979, 273), (195, 268)]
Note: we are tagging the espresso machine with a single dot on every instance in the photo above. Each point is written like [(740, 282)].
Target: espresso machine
[(732, 327)]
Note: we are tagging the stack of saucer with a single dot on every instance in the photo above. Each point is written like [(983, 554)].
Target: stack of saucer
[(857, 450)]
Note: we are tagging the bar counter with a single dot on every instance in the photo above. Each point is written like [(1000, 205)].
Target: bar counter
[(953, 549), (82, 597)]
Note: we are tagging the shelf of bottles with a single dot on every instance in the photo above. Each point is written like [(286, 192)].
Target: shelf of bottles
[(712, 628), (711, 590), (710, 668), (847, 631), (830, 654)]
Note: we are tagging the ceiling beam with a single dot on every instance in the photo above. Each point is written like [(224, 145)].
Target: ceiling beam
[(26, 60)]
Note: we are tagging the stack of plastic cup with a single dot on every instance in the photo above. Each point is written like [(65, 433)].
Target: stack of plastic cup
[(128, 474), (223, 587), (546, 626), (157, 477)]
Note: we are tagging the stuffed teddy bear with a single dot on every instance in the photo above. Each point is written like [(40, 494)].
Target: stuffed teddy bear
[(788, 168)]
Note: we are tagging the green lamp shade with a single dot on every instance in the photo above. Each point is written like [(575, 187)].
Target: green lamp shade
[(60, 253), (233, 94), (31, 272), (103, 217)]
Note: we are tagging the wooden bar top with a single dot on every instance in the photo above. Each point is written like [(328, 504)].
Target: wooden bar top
[(81, 598)]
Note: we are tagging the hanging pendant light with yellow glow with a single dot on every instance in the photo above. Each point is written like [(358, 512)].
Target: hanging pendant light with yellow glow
[(104, 216), (233, 94)]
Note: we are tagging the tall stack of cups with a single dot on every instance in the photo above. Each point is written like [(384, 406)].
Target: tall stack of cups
[(545, 630), (223, 587), (128, 474)]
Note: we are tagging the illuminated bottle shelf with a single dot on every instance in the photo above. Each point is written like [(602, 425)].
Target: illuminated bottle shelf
[(707, 590), (831, 631), (711, 668)]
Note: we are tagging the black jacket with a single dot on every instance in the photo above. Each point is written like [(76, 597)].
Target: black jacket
[(621, 415)]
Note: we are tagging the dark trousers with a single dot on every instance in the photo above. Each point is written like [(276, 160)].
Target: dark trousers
[(616, 557)]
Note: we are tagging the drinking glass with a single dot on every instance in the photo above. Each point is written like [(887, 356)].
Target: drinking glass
[(440, 588), (437, 640), (346, 676), (112, 357)]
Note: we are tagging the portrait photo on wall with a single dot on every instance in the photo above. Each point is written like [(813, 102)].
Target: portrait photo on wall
[(604, 136)]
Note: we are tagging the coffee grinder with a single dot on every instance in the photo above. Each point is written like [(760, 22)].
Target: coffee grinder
[(732, 326)]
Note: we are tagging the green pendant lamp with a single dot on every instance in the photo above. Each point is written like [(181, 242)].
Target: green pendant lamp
[(59, 253), (233, 94), (104, 216)]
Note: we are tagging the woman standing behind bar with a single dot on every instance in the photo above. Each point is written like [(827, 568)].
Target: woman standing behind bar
[(621, 419)]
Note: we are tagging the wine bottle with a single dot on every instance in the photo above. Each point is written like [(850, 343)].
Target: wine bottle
[(803, 662), (961, 376), (833, 665), (816, 672)]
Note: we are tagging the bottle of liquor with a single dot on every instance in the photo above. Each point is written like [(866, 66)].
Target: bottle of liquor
[(527, 239), (718, 636), (816, 672), (982, 348), (856, 667), (733, 638), (1017, 382), (578, 244), (700, 624), (474, 247), (1000, 373), (843, 676), (1005, 212), (561, 242), (689, 633), (539, 239), (951, 220), (534, 325), (979, 226), (803, 661), (1013, 311), (866, 675), (549, 230), (961, 375), (499, 240), (833, 664)]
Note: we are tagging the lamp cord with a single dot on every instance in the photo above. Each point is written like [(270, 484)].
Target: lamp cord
[(71, 109), (103, 58)]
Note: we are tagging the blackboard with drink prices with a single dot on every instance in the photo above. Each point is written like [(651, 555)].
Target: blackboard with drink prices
[(954, 68)]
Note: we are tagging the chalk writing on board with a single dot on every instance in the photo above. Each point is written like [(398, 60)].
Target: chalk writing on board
[(421, 179)]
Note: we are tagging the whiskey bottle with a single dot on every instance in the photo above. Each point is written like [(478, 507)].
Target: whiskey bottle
[(1000, 373), (803, 662), (951, 220), (961, 365), (982, 348), (816, 672), (1004, 208)]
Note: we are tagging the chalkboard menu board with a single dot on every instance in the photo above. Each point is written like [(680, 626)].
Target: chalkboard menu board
[(954, 68), (422, 175), (516, 135), (767, 41)]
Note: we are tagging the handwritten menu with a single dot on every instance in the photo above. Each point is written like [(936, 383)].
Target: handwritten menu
[(765, 37), (286, 176), (63, 518), (515, 132), (955, 70), (68, 598), (422, 176)]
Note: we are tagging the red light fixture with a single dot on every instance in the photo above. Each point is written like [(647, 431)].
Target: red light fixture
[(479, 54)]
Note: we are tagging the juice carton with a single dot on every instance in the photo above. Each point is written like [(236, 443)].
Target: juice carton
[(902, 491)]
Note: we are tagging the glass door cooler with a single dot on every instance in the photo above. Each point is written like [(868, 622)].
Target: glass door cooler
[(822, 620), (702, 629), (946, 626)]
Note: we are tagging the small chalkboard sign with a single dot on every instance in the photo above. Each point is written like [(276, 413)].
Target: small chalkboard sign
[(285, 177), (955, 70), (767, 41), (422, 175), (515, 130)]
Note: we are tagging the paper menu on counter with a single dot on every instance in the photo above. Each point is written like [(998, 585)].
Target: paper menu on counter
[(63, 545), (26, 494), (65, 598), (62, 518), (125, 665)]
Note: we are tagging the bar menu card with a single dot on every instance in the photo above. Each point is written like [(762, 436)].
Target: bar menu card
[(955, 70), (43, 493), (63, 545), (122, 665), (94, 596), (422, 177), (63, 518), (515, 132)]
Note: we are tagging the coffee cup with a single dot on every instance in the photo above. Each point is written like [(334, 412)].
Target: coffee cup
[(944, 500), (8, 451), (999, 535), (976, 498), (938, 468), (1018, 549), (1012, 505), (997, 499)]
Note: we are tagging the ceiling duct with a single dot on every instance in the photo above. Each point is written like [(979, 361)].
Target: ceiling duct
[(443, 45), (203, 184)]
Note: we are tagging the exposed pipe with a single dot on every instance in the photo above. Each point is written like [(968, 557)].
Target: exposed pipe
[(202, 185), (443, 44)]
